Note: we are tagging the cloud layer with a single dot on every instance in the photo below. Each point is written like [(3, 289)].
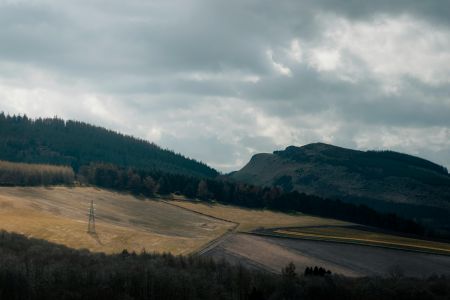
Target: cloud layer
[(220, 81)]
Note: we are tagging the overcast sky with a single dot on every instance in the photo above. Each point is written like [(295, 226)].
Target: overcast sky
[(221, 80)]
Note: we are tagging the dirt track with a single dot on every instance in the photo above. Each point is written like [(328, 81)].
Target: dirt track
[(352, 260)]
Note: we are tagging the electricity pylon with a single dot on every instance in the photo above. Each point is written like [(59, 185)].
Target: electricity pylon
[(91, 224)]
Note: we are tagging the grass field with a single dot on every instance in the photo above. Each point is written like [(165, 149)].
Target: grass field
[(365, 237), (309, 227), (60, 215), (252, 219), (309, 244)]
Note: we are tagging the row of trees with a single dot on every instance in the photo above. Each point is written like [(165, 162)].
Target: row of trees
[(240, 194), (13, 174), (35, 269), (149, 183)]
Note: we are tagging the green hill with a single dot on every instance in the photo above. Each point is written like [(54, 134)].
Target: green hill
[(55, 141), (384, 180)]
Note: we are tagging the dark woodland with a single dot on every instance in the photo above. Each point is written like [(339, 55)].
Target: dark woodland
[(36, 269), (58, 142)]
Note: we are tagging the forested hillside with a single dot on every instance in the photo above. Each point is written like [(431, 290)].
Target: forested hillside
[(384, 180), (72, 143)]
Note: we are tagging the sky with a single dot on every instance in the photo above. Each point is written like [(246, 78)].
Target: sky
[(219, 81)]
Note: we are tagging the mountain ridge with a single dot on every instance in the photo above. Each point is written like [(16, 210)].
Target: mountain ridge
[(341, 152), (385, 180)]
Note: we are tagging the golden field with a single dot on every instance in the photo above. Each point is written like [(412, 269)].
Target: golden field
[(60, 215), (251, 219)]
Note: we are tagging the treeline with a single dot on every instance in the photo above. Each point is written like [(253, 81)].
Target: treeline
[(149, 183), (409, 159), (58, 142), (337, 209), (240, 194), (21, 174), (35, 269)]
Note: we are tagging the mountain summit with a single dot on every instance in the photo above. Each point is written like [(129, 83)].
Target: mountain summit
[(385, 180)]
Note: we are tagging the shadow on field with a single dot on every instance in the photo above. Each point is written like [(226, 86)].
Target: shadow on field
[(95, 237)]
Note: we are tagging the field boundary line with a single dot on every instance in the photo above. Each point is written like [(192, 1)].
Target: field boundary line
[(363, 241), (199, 213), (212, 243), (280, 236)]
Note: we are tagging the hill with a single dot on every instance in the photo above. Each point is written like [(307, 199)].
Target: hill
[(384, 180), (55, 141), (60, 215)]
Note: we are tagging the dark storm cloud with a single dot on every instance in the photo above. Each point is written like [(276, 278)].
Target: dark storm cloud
[(220, 80), (418, 105)]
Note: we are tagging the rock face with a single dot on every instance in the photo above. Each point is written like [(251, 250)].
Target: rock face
[(385, 180)]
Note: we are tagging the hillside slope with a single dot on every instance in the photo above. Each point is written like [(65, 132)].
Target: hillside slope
[(386, 180), (60, 215), (55, 141)]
